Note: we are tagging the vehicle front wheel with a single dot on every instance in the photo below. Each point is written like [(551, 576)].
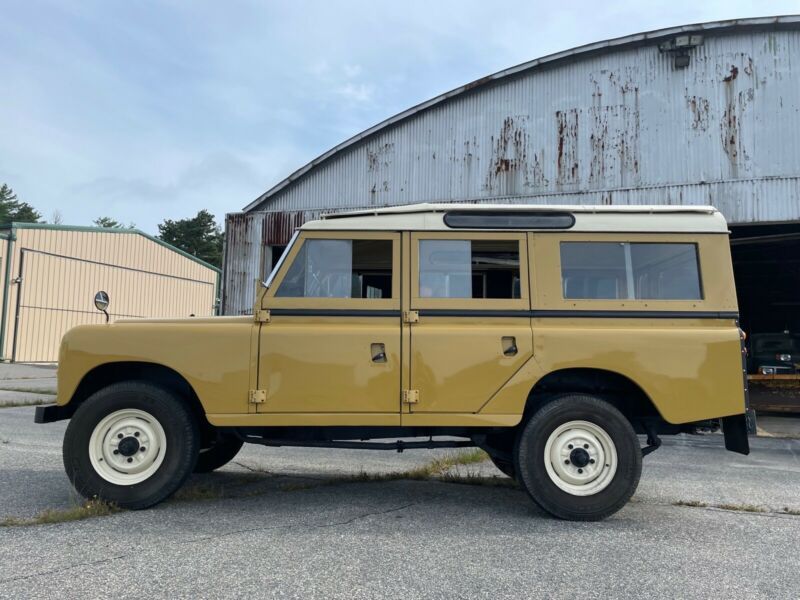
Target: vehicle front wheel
[(131, 444), (579, 458), (219, 453)]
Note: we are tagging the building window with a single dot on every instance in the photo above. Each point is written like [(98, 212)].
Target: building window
[(340, 269), (469, 269), (630, 271)]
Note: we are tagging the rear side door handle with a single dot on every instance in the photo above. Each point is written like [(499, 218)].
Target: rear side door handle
[(378, 352), (509, 343)]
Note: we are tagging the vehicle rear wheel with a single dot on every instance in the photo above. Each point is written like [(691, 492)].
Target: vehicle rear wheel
[(579, 458), (131, 444), (219, 453)]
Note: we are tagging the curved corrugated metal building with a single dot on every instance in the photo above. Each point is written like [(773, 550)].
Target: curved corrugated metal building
[(697, 114)]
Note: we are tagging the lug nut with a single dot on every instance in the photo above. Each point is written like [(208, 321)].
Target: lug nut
[(566, 462), (143, 449), (580, 470), (130, 460), (570, 446), (116, 451), (591, 460), (136, 433), (586, 445), (119, 435)]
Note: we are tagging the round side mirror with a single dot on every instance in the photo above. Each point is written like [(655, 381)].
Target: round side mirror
[(101, 301)]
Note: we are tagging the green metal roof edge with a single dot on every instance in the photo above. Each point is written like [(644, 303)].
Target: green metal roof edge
[(17, 225)]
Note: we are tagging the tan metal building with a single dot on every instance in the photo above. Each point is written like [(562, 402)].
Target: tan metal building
[(49, 275)]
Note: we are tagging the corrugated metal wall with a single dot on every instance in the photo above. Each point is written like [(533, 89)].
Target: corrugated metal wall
[(612, 126), (55, 274), (592, 130), (247, 258)]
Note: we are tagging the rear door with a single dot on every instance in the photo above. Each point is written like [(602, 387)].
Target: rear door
[(470, 293)]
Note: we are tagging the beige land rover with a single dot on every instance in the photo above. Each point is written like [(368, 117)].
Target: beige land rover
[(548, 336)]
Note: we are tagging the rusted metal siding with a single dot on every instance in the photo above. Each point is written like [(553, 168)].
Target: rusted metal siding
[(620, 125), (56, 272), (247, 258)]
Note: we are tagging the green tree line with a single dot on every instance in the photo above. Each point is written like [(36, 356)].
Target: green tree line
[(200, 235)]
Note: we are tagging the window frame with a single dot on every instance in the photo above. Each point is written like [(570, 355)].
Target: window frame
[(714, 285), (630, 281), (393, 303), (521, 303)]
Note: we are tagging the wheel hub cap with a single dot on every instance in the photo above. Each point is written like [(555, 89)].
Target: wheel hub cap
[(580, 458), (127, 446)]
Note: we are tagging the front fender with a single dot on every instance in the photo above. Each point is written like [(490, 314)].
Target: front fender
[(213, 355)]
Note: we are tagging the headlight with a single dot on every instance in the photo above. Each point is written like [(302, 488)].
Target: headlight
[(767, 370), (784, 357)]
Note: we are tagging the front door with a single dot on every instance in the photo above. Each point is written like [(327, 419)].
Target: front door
[(473, 333), (332, 342)]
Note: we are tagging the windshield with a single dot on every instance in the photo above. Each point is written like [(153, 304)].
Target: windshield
[(278, 264)]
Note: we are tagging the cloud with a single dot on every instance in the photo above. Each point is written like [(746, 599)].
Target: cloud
[(156, 111)]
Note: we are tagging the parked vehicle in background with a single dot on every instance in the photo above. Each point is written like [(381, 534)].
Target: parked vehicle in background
[(548, 336), (773, 354)]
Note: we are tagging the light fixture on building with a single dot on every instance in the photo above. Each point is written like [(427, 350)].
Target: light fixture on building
[(679, 47)]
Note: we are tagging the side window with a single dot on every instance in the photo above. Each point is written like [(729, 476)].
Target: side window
[(340, 269), (630, 271), (469, 269)]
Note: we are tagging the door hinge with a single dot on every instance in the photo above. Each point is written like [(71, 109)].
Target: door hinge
[(410, 316), (258, 396), (262, 316), (410, 396)]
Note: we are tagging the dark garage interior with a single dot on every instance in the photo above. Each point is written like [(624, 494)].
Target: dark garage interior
[(766, 264)]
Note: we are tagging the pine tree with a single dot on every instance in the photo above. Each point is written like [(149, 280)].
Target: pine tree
[(200, 236), (11, 209)]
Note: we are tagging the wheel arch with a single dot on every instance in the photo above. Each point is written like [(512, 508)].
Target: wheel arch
[(108, 373), (617, 389)]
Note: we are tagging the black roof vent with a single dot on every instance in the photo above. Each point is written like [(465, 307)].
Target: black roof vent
[(508, 220)]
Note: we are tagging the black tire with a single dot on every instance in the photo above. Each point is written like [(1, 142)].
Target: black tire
[(222, 450), (181, 440), (532, 471)]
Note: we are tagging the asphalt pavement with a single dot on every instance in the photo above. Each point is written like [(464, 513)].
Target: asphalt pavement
[(289, 523)]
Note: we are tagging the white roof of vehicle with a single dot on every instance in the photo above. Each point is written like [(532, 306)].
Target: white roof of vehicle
[(430, 217)]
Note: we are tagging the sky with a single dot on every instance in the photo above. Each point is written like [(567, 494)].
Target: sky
[(144, 111)]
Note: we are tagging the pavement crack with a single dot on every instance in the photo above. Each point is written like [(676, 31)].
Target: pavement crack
[(91, 563), (365, 515), (292, 526)]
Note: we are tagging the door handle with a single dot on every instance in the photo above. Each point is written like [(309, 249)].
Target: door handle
[(509, 345), (378, 352)]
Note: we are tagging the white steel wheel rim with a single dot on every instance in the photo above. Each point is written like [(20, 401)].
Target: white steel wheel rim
[(580, 458), (127, 446)]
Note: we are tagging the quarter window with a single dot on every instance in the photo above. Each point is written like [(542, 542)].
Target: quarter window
[(630, 271), (340, 269), (469, 269)]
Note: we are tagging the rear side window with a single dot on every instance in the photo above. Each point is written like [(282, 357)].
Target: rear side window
[(469, 269), (340, 269), (630, 271)]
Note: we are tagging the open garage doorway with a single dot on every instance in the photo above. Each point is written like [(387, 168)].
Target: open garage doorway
[(766, 265)]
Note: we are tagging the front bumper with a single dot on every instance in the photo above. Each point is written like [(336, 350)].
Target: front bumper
[(49, 413), (736, 428)]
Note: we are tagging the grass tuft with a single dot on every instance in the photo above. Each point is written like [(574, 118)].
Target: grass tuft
[(87, 510)]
